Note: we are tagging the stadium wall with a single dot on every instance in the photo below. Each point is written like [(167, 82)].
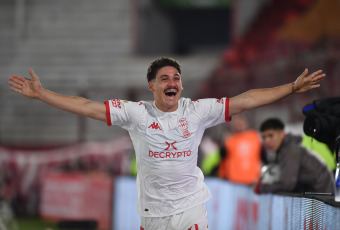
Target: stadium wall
[(237, 207)]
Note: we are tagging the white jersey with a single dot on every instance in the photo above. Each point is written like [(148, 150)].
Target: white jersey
[(166, 146)]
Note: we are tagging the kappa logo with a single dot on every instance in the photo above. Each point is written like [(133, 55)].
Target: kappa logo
[(155, 125), (170, 145)]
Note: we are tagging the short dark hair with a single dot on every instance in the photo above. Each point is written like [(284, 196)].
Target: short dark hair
[(160, 63), (272, 123)]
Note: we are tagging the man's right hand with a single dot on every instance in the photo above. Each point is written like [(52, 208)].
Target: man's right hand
[(27, 87), (78, 105)]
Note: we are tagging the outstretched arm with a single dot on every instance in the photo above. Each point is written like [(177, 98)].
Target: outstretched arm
[(259, 97), (32, 88)]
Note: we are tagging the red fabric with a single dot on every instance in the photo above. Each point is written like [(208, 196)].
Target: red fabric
[(108, 113), (257, 188), (227, 117), (196, 227)]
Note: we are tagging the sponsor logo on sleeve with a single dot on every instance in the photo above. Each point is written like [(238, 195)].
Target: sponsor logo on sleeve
[(220, 101), (116, 103)]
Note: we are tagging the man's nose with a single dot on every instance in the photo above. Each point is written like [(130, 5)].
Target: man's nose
[(171, 82), (266, 142)]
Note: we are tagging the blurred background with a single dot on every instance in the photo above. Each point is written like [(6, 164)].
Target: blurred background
[(101, 50)]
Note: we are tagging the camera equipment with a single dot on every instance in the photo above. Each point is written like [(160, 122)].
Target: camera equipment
[(322, 121)]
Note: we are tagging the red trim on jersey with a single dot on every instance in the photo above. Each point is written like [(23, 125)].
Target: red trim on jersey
[(196, 227), (226, 115), (108, 117)]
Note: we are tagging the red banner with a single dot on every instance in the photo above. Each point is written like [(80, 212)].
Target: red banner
[(77, 196)]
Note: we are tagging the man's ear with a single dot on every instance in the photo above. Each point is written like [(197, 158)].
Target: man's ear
[(150, 84), (282, 134)]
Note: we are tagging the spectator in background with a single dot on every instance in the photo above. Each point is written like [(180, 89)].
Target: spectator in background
[(241, 162), (299, 170)]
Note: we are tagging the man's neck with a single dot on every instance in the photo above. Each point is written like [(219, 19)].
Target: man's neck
[(166, 109)]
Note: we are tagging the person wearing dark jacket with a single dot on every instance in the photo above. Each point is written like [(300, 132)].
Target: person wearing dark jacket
[(298, 169)]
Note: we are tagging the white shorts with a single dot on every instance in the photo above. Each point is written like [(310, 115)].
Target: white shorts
[(192, 219)]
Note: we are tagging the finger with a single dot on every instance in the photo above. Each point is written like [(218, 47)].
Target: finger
[(15, 90), (18, 86), (316, 73), (318, 78), (34, 76), (315, 86), (304, 73), (321, 76), (17, 78)]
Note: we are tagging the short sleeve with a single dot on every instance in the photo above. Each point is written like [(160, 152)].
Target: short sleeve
[(122, 113), (213, 111)]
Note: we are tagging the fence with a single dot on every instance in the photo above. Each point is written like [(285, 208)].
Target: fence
[(237, 207)]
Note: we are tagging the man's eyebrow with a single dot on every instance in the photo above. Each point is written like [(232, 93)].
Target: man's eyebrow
[(166, 75)]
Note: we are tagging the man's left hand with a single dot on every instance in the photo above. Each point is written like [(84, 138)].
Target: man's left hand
[(307, 82)]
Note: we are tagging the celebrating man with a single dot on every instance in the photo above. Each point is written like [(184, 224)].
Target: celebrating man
[(166, 134)]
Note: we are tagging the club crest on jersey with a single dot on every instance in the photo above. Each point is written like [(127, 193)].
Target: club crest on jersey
[(184, 127), (155, 125)]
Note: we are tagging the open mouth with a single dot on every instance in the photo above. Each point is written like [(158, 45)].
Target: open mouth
[(171, 93)]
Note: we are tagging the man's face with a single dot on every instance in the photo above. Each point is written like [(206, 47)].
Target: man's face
[(167, 88), (273, 138), (239, 124)]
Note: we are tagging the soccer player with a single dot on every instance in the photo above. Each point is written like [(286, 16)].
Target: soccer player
[(166, 134)]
